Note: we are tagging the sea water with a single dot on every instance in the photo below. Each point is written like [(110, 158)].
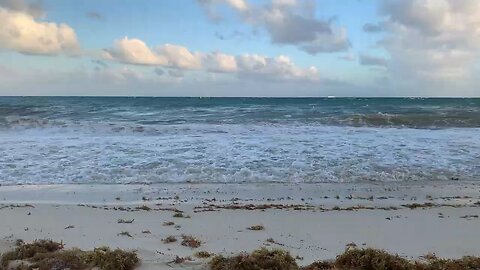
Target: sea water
[(47, 140)]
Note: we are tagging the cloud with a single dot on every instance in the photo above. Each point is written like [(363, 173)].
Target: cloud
[(99, 64), (120, 75), (175, 57), (281, 67), (348, 57), (220, 62), (368, 60), (237, 35), (176, 73), (95, 15), (21, 32), (180, 57), (287, 22), (432, 43), (372, 28), (135, 51), (159, 71), (211, 7), (33, 8), (239, 5), (139, 81)]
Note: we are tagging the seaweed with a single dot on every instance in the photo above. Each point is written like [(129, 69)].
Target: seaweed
[(351, 259), (143, 207), (125, 221), (260, 259), (256, 228), (48, 255), (190, 241), (203, 254), (169, 239)]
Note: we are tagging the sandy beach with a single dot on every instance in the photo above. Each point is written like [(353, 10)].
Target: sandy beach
[(312, 221), (240, 135)]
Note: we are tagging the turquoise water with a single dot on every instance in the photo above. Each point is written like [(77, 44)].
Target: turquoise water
[(372, 112), (150, 140)]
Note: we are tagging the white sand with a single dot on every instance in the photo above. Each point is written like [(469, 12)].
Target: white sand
[(311, 234)]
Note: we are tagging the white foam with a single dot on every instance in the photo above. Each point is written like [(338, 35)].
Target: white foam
[(237, 153)]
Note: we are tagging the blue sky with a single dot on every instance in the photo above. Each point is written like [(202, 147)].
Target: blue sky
[(239, 47)]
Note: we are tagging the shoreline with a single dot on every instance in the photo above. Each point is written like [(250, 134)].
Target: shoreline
[(312, 221)]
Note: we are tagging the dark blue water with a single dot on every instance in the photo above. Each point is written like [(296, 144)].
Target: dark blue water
[(370, 112)]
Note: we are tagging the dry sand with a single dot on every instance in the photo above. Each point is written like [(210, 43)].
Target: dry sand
[(313, 221)]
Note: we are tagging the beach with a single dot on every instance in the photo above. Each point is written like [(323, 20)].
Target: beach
[(240, 135), (312, 221), (230, 175)]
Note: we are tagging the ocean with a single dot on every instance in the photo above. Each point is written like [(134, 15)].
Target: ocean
[(125, 140)]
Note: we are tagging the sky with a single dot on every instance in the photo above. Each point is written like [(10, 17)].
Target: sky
[(267, 48)]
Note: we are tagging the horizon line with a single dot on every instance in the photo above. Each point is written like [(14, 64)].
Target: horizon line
[(273, 97)]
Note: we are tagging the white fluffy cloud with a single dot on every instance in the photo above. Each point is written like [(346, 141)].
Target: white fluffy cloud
[(21, 32), (220, 62), (240, 5), (432, 41), (136, 52), (280, 67), (180, 57), (287, 22)]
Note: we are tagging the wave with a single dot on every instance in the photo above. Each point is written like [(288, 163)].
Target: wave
[(410, 121), (120, 114), (152, 127)]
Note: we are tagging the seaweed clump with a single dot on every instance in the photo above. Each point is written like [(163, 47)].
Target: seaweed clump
[(320, 265), (371, 259), (107, 259), (190, 241), (256, 228), (169, 239), (465, 263), (257, 260), (47, 255), (203, 254), (351, 259)]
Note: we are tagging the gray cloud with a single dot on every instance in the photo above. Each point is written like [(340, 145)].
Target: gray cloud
[(294, 29), (236, 35), (372, 28), (177, 73), (210, 9), (220, 36), (287, 23), (368, 60), (433, 45), (33, 8), (95, 15), (99, 63), (348, 57), (159, 71)]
